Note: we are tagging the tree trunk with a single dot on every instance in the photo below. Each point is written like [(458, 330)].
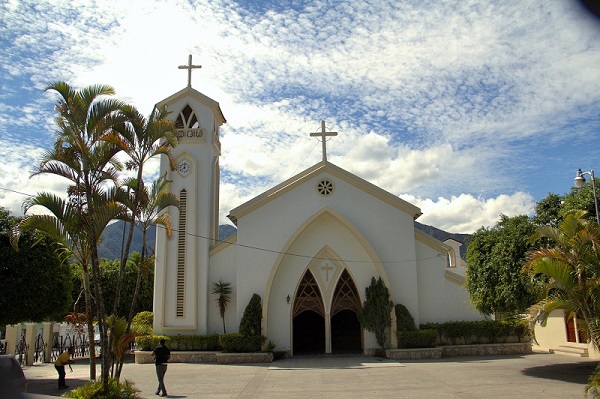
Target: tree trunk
[(90, 320)]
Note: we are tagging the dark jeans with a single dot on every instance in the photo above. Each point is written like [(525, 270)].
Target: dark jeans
[(161, 369), (61, 375)]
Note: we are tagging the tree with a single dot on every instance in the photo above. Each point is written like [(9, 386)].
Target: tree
[(37, 266), (495, 258), (375, 315), (223, 291), (581, 198), (250, 325), (568, 272), (84, 154), (548, 211), (142, 139)]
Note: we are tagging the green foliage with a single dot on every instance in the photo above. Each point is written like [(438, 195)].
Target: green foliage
[(35, 265), (223, 291), (208, 342), (593, 385), (93, 390), (375, 314), (195, 342), (495, 258), (250, 324), (239, 343), (547, 211), (417, 339), (567, 272), (479, 332), (149, 342), (142, 323), (404, 320), (109, 274), (580, 199)]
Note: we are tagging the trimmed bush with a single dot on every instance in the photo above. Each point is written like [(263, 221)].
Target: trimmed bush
[(404, 320), (417, 339), (479, 332), (149, 342), (142, 323), (251, 320), (239, 343)]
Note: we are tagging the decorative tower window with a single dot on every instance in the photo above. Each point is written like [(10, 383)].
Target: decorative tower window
[(181, 254), (325, 187), (187, 125)]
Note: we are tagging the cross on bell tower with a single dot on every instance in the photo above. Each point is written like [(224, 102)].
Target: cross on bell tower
[(189, 67), (324, 134)]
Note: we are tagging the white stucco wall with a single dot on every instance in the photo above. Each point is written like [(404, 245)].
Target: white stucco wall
[(441, 297)]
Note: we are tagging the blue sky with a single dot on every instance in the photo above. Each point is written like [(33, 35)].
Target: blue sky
[(466, 109)]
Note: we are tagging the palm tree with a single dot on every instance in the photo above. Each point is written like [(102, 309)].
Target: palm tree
[(83, 154), (152, 204), (223, 290), (568, 272), (142, 139)]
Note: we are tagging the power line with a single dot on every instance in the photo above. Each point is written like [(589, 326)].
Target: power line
[(272, 250)]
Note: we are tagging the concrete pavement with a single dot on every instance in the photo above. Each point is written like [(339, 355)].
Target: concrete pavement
[(528, 376)]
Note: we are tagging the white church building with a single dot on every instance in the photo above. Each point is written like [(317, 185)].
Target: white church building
[(308, 246)]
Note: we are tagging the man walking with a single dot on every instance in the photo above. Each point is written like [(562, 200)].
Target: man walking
[(161, 356), (63, 359)]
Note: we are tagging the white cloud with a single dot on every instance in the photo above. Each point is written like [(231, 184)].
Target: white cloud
[(460, 100)]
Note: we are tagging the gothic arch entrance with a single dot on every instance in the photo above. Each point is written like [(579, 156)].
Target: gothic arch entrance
[(308, 318), (346, 333), (310, 329)]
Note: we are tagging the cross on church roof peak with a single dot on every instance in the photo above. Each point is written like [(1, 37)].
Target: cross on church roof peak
[(189, 67), (324, 134)]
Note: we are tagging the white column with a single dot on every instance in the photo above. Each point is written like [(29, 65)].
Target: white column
[(12, 337), (30, 331), (48, 337)]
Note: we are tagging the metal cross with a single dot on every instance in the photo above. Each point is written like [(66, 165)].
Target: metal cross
[(323, 135), (189, 67)]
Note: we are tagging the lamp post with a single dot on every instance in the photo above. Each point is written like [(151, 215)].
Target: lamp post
[(579, 181)]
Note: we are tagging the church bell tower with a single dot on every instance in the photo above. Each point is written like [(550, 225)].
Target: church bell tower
[(181, 286)]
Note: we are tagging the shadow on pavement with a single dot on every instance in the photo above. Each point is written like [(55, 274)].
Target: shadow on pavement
[(577, 373)]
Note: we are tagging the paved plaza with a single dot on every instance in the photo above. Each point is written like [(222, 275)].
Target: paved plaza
[(528, 376)]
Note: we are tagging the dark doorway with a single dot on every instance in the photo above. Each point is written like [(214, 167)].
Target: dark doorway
[(345, 333), (309, 334)]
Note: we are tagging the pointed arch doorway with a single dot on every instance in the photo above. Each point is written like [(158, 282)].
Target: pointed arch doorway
[(346, 333), (312, 332)]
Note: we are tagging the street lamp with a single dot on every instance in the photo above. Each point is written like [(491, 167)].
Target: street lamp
[(579, 181)]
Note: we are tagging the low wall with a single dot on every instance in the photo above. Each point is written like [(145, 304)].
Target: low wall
[(460, 350), (142, 357)]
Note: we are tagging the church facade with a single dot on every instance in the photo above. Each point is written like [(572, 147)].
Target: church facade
[(308, 246)]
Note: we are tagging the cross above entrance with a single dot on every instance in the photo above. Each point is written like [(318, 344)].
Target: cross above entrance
[(189, 67), (327, 268), (324, 134)]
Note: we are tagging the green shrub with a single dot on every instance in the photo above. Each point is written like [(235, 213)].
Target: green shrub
[(92, 389), (142, 323), (251, 320), (239, 343), (593, 385), (417, 339), (149, 342), (404, 320)]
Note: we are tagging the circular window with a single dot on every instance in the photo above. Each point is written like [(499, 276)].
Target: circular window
[(325, 187)]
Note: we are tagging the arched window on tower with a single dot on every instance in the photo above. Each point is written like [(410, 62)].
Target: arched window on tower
[(187, 119)]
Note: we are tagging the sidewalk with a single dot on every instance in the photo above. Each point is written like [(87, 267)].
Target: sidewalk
[(514, 377)]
